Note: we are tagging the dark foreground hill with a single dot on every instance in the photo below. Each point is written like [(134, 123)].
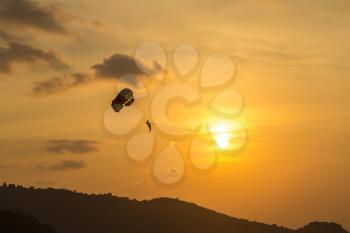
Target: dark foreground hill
[(70, 212), (17, 222)]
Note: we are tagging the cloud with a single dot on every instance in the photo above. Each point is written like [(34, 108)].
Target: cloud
[(21, 53), (31, 14), (8, 37), (111, 68), (64, 165), (73, 146), (59, 84), (119, 64)]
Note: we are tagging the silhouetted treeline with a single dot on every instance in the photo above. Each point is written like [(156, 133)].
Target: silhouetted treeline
[(322, 227), (72, 212)]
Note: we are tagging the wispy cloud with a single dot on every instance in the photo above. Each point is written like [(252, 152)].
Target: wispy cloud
[(64, 165), (73, 146), (59, 84), (21, 53), (9, 37), (32, 14)]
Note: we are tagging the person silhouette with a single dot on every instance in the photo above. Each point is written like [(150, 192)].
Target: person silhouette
[(149, 124)]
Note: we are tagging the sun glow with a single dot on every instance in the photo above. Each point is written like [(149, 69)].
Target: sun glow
[(221, 136), (222, 141)]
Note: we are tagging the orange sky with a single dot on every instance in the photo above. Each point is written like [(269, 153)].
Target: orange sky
[(293, 70)]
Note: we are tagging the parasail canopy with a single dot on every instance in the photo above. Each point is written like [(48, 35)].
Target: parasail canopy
[(124, 98)]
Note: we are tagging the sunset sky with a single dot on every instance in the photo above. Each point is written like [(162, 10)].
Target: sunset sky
[(293, 69)]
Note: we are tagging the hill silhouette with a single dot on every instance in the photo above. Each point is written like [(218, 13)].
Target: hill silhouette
[(15, 221), (71, 212)]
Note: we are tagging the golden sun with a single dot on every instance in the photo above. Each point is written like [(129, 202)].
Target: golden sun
[(221, 136)]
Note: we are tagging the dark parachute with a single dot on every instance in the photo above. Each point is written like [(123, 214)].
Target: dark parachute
[(124, 98)]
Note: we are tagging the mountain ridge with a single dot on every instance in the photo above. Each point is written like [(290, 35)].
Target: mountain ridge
[(71, 212)]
